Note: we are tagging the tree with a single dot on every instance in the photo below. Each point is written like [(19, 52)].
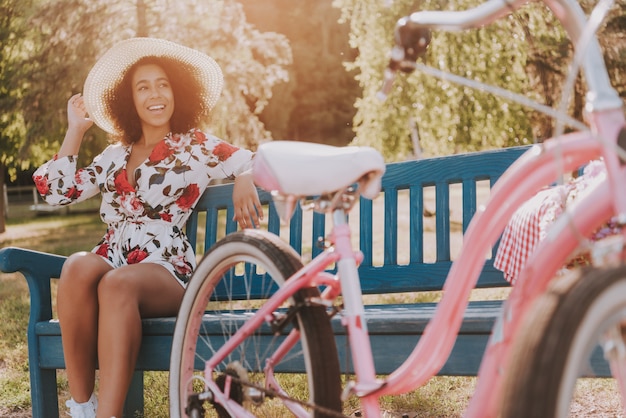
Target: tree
[(449, 117), (68, 40), (528, 52), (317, 104), (13, 15)]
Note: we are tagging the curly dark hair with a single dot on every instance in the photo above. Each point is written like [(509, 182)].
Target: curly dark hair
[(189, 106)]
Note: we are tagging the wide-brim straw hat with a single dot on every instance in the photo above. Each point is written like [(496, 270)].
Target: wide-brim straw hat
[(111, 67)]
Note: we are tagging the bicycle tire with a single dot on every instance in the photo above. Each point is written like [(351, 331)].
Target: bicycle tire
[(267, 253), (557, 339)]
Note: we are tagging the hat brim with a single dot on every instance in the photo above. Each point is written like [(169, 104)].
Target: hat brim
[(111, 67)]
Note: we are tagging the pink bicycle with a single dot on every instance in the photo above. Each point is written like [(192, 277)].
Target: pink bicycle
[(527, 371)]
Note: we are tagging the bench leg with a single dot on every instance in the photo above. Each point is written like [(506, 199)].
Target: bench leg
[(44, 397), (134, 399), (45, 401)]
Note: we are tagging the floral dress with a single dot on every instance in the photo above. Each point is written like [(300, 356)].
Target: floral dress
[(145, 223)]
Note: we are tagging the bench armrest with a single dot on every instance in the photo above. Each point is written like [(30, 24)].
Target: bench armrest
[(38, 268)]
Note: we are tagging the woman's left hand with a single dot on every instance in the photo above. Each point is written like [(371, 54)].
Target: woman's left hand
[(248, 209)]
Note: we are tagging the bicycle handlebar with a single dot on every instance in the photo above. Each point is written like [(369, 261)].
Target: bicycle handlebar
[(412, 35)]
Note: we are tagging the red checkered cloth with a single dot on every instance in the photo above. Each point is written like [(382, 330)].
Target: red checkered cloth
[(527, 227), (530, 223)]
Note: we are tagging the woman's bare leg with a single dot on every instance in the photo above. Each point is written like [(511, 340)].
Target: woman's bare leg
[(77, 307), (126, 295)]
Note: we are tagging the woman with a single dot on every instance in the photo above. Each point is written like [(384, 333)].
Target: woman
[(150, 95)]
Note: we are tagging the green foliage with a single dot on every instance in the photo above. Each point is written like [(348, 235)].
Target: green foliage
[(527, 52), (449, 118), (54, 69), (13, 27)]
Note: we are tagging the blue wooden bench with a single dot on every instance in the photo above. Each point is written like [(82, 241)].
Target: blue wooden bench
[(395, 327)]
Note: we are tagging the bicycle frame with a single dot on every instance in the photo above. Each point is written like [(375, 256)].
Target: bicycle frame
[(539, 166), (563, 238), (521, 181), (530, 173)]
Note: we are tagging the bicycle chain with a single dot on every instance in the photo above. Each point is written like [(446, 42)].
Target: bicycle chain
[(272, 393)]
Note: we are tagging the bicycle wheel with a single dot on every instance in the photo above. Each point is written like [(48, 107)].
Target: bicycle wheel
[(577, 323), (244, 268)]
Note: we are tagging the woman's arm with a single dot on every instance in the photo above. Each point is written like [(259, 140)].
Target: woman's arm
[(58, 181)]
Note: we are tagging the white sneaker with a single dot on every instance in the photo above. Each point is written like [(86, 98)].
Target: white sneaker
[(83, 410)]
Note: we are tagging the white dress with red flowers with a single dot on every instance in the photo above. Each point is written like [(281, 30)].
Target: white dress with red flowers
[(145, 223)]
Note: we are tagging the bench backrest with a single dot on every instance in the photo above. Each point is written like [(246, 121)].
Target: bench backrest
[(407, 235)]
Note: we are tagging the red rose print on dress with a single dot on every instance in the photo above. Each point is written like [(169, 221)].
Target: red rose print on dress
[(146, 220), (160, 152), (223, 151), (199, 137), (81, 176), (131, 204), (121, 183), (178, 142), (135, 256), (189, 196), (73, 193), (180, 265), (41, 183), (103, 250)]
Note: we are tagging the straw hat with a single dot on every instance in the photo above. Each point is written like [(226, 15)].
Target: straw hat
[(111, 67)]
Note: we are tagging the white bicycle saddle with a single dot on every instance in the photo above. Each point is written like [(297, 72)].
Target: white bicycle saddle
[(309, 169)]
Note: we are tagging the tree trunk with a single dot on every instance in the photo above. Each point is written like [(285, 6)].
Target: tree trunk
[(3, 208), (142, 26)]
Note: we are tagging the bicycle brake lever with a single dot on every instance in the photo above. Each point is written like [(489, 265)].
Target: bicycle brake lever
[(411, 42), (388, 78)]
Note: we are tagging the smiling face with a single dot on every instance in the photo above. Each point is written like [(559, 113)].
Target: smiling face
[(153, 97), (132, 115)]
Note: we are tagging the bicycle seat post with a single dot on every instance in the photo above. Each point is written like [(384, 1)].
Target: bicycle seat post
[(353, 316)]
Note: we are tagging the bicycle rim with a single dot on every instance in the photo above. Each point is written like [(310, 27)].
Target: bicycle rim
[(248, 266), (577, 322)]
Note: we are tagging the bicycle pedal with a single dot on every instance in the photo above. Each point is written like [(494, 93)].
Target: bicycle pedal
[(254, 396)]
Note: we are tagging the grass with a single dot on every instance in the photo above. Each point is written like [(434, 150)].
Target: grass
[(14, 383)]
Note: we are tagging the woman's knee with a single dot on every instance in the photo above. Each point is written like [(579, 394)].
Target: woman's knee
[(117, 283), (83, 268), (149, 287)]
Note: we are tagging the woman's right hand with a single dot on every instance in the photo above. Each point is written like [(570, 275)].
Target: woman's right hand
[(77, 125), (77, 117)]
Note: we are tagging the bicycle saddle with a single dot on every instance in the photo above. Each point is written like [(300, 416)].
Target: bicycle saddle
[(308, 169)]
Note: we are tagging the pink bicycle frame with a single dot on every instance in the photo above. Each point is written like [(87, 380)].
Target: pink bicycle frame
[(522, 180), (538, 167)]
